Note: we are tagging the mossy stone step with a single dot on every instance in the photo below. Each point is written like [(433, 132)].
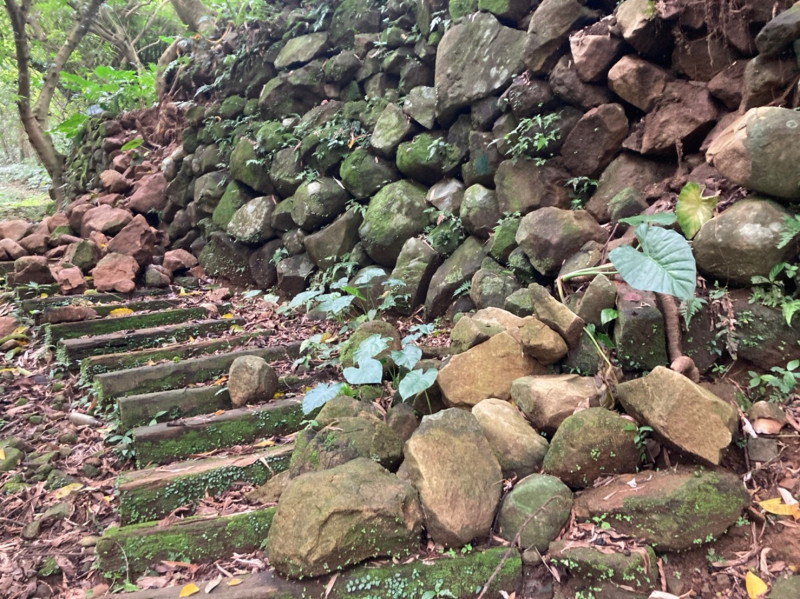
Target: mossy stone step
[(94, 365), (463, 576), (106, 309), (129, 550), (29, 292), (72, 351), (166, 442), (141, 410), (104, 326), (154, 493), (39, 304), (173, 375)]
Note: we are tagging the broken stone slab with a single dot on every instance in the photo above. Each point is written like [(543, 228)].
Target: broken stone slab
[(140, 410), (173, 375), (123, 551), (486, 370), (152, 494), (55, 314), (72, 351), (548, 400), (682, 413), (328, 520), (162, 443), (671, 510)]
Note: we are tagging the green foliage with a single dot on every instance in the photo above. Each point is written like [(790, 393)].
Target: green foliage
[(772, 292), (778, 385), (694, 209), (689, 309), (581, 188), (790, 230), (533, 135), (664, 265)]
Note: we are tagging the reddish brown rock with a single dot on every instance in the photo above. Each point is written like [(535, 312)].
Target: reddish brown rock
[(726, 86), (56, 220), (69, 280), (14, 229), (7, 325), (121, 162), (114, 181), (136, 239), (684, 114), (595, 140), (110, 199), (150, 194), (593, 50), (179, 260), (116, 272), (12, 249), (31, 269), (105, 219), (69, 314), (75, 214), (637, 81), (35, 244)]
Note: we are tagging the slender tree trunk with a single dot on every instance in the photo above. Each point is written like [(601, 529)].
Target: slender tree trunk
[(34, 117), (195, 15)]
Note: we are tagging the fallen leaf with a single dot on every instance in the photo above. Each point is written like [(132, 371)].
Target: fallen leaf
[(120, 312), (189, 590), (213, 585), (755, 586), (236, 328), (267, 443), (233, 582), (787, 496), (219, 412), (779, 508), (66, 490), (227, 316), (2, 454), (220, 381), (181, 291)]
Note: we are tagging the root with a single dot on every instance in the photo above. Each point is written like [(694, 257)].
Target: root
[(678, 361)]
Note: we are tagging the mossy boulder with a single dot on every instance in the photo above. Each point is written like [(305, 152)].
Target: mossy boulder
[(490, 288), (246, 167), (479, 211), (636, 569), (362, 16), (395, 214), (364, 174), (252, 222), (535, 509), (223, 257), (330, 244), (414, 268), (391, 128), (364, 330), (317, 203), (672, 510), (328, 520), (548, 400), (427, 158), (235, 197), (302, 49), (457, 270), (589, 444), (208, 189), (231, 107)]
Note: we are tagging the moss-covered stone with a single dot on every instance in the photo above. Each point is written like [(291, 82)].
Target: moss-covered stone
[(231, 107), (236, 195), (364, 174), (246, 167), (637, 569), (427, 158), (317, 203)]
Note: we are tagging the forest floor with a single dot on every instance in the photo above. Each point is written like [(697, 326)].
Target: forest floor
[(22, 194)]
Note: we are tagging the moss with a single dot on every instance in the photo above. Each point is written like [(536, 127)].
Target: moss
[(131, 549)]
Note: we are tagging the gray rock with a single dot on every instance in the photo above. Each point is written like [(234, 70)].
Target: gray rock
[(600, 294), (490, 288), (252, 222), (555, 314), (681, 413), (227, 259), (245, 167), (523, 186), (329, 245), (449, 461), (447, 195), (766, 79), (534, 512), (420, 105), (293, 274), (548, 30), (251, 379), (317, 203), (780, 33), (302, 49), (331, 519), (548, 400), (364, 174), (639, 332), (415, 266), (391, 129), (479, 211), (452, 274)]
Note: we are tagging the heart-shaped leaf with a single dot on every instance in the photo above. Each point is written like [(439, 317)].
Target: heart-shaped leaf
[(408, 357), (320, 395), (368, 372), (694, 209), (665, 264), (370, 347), (416, 382)]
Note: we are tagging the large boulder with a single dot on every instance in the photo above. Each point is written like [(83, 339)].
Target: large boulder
[(476, 57), (449, 461), (301, 49), (681, 413), (457, 270), (330, 244), (115, 272), (780, 33), (30, 269), (105, 219), (390, 130), (670, 510), (684, 114), (364, 174), (136, 239), (549, 236), (228, 259), (252, 222), (534, 512), (517, 446), (523, 186), (549, 400), (251, 379), (760, 150), (589, 444), (335, 518), (637, 81), (395, 214), (317, 203), (414, 268), (548, 31), (595, 140), (427, 157), (486, 370), (742, 242), (150, 194)]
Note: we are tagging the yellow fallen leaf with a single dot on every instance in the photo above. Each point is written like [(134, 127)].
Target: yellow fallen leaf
[(755, 586), (236, 328), (43, 295), (19, 331), (227, 316), (64, 491), (181, 291), (220, 381), (233, 582), (267, 443), (2, 454), (120, 312), (278, 395), (219, 412), (779, 508), (189, 589)]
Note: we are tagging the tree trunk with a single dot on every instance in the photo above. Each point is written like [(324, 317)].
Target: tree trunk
[(195, 15), (34, 117)]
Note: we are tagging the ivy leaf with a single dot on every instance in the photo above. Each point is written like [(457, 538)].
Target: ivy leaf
[(408, 357), (320, 395), (368, 372), (370, 347), (665, 264), (694, 209), (417, 381)]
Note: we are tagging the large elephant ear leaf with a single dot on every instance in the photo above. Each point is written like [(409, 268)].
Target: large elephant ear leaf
[(665, 264), (694, 209)]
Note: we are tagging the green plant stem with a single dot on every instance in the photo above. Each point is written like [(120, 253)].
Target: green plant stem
[(605, 269), (597, 347)]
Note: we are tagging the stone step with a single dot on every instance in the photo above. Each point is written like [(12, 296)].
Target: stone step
[(39, 304), (172, 441), (71, 351), (39, 291), (462, 576), (129, 550), (154, 493), (173, 375), (104, 309), (86, 328), (94, 365), (141, 410)]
